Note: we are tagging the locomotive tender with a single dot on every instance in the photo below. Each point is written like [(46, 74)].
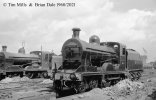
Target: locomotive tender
[(95, 64)]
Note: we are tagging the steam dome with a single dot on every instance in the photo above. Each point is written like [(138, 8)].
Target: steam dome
[(94, 39), (21, 50)]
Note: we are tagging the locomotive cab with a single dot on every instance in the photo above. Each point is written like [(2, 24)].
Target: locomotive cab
[(120, 50), (45, 58)]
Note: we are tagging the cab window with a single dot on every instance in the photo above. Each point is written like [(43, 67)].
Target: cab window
[(123, 51)]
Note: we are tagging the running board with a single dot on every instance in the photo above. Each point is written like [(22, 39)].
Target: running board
[(113, 78)]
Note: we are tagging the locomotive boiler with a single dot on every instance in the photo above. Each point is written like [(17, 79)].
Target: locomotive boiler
[(94, 64), (37, 64), (11, 63)]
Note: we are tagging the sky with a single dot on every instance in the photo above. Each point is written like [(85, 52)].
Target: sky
[(130, 22)]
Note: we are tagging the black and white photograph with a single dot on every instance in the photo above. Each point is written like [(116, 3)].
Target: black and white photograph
[(78, 50)]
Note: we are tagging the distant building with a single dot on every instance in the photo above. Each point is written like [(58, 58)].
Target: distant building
[(144, 59)]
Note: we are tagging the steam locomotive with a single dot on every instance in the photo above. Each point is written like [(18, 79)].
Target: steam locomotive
[(35, 64), (95, 64)]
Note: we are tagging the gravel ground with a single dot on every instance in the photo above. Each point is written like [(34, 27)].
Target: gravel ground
[(26, 89)]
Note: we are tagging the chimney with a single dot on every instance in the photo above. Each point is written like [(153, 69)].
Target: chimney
[(76, 32), (4, 48)]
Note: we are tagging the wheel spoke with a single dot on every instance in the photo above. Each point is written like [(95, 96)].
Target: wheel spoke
[(93, 84)]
